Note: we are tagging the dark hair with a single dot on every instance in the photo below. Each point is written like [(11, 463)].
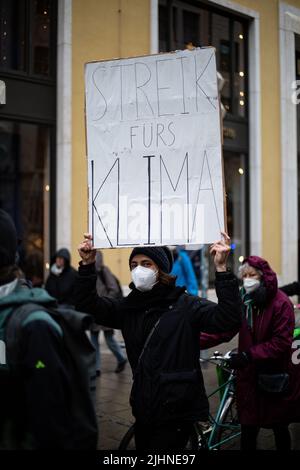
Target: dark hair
[(8, 274), (166, 279)]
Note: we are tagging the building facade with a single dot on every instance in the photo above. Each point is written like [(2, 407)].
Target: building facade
[(257, 44)]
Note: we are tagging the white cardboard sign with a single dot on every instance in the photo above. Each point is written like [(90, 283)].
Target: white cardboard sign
[(154, 150)]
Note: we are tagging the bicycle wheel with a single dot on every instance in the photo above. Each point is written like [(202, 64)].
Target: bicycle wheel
[(228, 426), (128, 441)]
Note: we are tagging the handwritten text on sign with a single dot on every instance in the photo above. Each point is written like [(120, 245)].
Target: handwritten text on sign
[(154, 150)]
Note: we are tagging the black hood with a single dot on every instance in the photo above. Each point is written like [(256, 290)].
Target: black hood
[(62, 253)]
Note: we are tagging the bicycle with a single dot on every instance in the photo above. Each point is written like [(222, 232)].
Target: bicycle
[(219, 430)]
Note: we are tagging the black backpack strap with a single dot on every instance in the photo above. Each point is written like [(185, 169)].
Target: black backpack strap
[(145, 347)]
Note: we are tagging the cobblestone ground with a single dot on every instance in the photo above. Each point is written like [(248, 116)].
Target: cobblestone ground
[(114, 412)]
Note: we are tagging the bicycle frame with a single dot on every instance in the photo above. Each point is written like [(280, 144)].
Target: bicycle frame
[(206, 438), (227, 391)]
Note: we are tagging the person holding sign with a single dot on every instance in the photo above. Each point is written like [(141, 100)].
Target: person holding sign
[(160, 324)]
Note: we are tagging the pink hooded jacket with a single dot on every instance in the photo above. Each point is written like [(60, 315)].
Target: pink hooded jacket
[(270, 345)]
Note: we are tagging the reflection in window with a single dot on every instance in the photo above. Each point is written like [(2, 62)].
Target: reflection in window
[(234, 171), (27, 29), (41, 35), (235, 182), (163, 28), (24, 159), (221, 41), (12, 34), (191, 28), (239, 89)]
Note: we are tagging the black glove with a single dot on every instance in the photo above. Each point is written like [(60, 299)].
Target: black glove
[(239, 361)]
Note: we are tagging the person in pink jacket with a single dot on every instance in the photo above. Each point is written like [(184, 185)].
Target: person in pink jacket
[(268, 383)]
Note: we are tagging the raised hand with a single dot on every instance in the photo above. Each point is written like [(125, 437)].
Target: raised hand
[(220, 251), (86, 251)]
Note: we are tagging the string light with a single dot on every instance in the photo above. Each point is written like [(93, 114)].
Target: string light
[(241, 171), (241, 36), (242, 102), (242, 93), (47, 265), (241, 259), (241, 74), (47, 188)]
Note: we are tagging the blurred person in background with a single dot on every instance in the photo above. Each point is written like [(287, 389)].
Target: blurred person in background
[(107, 285), (184, 271), (61, 280)]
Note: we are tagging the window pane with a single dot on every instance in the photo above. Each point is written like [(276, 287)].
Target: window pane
[(239, 92), (221, 41), (191, 28), (235, 174), (24, 190), (235, 182), (205, 39), (163, 28), (12, 34), (41, 36)]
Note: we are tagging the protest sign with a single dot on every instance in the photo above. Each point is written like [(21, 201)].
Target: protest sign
[(154, 150)]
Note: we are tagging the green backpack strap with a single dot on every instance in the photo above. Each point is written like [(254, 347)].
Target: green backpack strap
[(20, 317)]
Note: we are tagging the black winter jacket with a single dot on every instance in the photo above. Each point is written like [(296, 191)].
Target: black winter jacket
[(62, 287), (168, 383), (291, 289)]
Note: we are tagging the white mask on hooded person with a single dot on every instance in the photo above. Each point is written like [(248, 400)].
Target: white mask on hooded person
[(56, 270), (143, 278), (250, 284)]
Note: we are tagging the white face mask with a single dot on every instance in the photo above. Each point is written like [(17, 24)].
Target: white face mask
[(250, 284), (143, 278), (56, 270)]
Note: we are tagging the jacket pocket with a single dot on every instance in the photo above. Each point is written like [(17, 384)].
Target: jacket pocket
[(177, 392), (180, 376)]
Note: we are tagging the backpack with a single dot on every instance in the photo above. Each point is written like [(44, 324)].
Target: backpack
[(101, 276), (119, 287), (81, 364)]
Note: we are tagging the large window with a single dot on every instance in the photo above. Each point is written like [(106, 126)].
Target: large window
[(24, 189), (190, 23), (27, 127), (235, 169), (183, 23), (27, 29)]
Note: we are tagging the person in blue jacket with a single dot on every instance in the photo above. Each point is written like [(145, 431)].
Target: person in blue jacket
[(184, 271)]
